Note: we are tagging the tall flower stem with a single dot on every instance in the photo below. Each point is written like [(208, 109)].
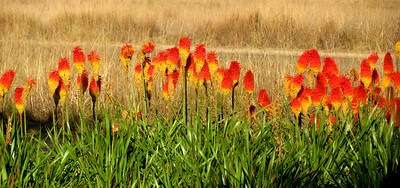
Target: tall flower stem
[(233, 96), (20, 120), (145, 101), (81, 110), (185, 95)]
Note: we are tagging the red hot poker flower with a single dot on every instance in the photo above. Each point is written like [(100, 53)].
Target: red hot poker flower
[(126, 55), (372, 59), (296, 106), (95, 88), (302, 63), (334, 81), (172, 59), (5, 82), (212, 63), (79, 60), (315, 61), (235, 68), (305, 99), (53, 82), (388, 64), (29, 85), (148, 47), (263, 98), (366, 73), (94, 60), (375, 77), (204, 75), (83, 82), (248, 82), (346, 87), (227, 82), (396, 79), (19, 105), (64, 69), (295, 85), (330, 67), (336, 98), (199, 56), (184, 49)]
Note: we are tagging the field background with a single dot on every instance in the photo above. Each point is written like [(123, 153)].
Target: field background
[(34, 34)]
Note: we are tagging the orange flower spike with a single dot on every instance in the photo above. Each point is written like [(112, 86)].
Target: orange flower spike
[(204, 75), (303, 62), (334, 81), (397, 53), (248, 82), (199, 56), (386, 80), (79, 60), (64, 70), (219, 75), (315, 61), (150, 85), (366, 73), (396, 79), (83, 82), (263, 98), (29, 85), (286, 85), (5, 82), (19, 105), (166, 88), (212, 60), (53, 81), (194, 79), (175, 78), (296, 106), (388, 64), (336, 98), (316, 97), (184, 50), (126, 55), (62, 92), (330, 67), (295, 85), (378, 100), (149, 72), (375, 77), (94, 88), (360, 95), (138, 76), (148, 47), (170, 85), (327, 104), (346, 87), (162, 62), (372, 59), (305, 99), (235, 71), (321, 81), (94, 60), (227, 82), (172, 59)]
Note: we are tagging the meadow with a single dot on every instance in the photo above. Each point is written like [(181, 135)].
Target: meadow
[(300, 93)]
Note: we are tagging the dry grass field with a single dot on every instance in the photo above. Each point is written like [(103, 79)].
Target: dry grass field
[(323, 24), (34, 34)]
